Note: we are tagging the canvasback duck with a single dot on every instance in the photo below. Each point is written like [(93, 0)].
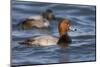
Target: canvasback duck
[(46, 40), (38, 21)]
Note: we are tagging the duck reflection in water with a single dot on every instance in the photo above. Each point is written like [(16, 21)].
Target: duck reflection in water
[(63, 57)]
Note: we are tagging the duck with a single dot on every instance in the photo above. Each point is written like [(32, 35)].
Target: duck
[(38, 21), (47, 40)]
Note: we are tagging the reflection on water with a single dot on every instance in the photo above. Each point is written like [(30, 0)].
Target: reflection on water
[(83, 43), (63, 57)]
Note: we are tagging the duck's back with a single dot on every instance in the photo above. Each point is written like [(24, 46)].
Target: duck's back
[(36, 17)]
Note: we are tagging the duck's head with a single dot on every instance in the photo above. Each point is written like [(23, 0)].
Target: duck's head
[(64, 26), (48, 14)]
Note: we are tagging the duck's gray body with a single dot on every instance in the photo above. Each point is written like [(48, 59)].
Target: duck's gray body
[(42, 40)]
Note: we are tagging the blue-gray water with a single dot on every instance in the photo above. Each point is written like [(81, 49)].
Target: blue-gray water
[(83, 43)]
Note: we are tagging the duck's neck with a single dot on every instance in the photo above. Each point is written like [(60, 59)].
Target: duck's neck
[(64, 39)]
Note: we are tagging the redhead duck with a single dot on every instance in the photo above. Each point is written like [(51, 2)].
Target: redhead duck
[(38, 21), (46, 40)]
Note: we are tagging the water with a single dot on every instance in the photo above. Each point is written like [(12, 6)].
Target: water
[(83, 43)]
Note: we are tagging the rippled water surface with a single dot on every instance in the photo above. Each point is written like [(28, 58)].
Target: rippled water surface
[(83, 43)]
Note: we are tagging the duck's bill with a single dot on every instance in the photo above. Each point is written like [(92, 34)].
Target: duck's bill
[(72, 28)]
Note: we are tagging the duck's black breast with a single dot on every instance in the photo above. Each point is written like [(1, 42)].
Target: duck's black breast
[(64, 39)]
